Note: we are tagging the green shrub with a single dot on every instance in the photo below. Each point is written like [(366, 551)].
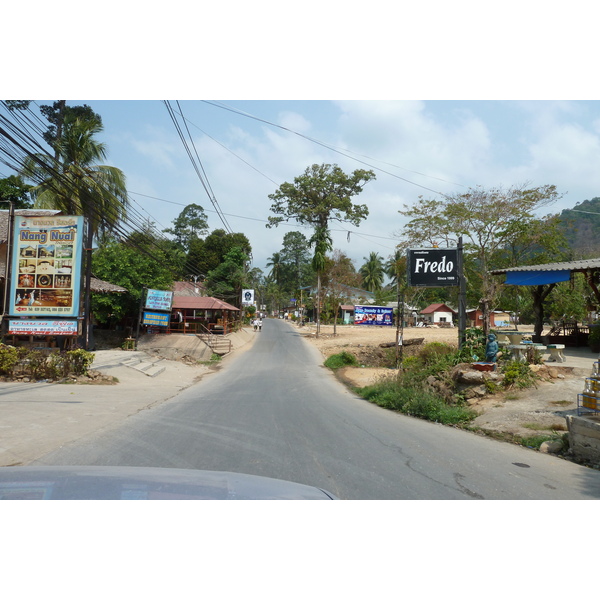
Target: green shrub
[(80, 361), (434, 352), (517, 374), (9, 357), (343, 359)]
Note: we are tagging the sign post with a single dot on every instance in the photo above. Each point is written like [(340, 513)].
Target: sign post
[(440, 267)]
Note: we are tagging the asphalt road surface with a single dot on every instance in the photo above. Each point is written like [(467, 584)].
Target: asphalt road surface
[(274, 410)]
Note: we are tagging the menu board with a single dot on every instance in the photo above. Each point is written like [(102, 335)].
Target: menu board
[(46, 266)]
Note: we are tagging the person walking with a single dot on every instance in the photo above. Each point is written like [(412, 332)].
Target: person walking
[(255, 324), (260, 324)]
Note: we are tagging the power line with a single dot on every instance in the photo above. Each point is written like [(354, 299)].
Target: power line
[(205, 184), (339, 151)]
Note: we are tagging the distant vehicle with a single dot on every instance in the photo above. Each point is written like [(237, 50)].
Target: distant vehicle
[(146, 483)]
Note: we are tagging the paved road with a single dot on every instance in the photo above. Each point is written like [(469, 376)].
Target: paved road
[(274, 411)]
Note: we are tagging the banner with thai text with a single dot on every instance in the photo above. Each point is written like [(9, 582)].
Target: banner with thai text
[(39, 327)]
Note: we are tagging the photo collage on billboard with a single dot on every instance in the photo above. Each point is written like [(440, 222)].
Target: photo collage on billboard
[(45, 268)]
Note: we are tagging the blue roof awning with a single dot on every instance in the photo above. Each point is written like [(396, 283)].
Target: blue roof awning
[(536, 277)]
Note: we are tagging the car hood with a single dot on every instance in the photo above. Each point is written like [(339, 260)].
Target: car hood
[(146, 483)]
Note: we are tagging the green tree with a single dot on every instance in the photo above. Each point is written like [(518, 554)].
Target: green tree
[(208, 253), (14, 189), (372, 272), (322, 242), (489, 221), (75, 183), (191, 224), (228, 279), (395, 268), (133, 264), (276, 264), (339, 274), (323, 193), (295, 255)]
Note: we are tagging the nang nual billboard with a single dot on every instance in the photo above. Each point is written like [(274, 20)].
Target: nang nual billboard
[(432, 267)]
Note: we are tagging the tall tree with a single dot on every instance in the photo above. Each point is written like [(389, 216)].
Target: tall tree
[(75, 183), (228, 279), (489, 220), (191, 224), (372, 272), (276, 265), (323, 193)]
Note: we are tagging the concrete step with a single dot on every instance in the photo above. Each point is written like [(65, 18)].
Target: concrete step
[(151, 368)]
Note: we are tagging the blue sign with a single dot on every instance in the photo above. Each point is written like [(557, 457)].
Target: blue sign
[(373, 315), (156, 319), (159, 300)]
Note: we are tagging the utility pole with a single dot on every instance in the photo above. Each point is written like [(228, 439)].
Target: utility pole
[(462, 296)]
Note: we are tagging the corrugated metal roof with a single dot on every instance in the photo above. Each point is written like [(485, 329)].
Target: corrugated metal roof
[(573, 265), (436, 308), (201, 303)]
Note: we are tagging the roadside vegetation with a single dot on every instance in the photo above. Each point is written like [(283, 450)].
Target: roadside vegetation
[(425, 386), (22, 363)]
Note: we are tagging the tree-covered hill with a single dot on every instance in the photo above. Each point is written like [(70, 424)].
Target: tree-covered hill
[(581, 226)]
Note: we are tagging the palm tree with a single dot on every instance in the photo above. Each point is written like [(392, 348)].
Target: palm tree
[(395, 267), (372, 272), (74, 183), (276, 264)]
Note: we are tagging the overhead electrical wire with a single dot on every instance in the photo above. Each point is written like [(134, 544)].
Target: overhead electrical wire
[(337, 150), (19, 143), (197, 166)]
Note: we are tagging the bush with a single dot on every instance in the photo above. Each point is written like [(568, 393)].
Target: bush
[(517, 374), (343, 359), (9, 358), (80, 361), (36, 365), (416, 402)]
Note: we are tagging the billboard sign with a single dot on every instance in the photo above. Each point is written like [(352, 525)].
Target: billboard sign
[(46, 266), (373, 315), (432, 267), (159, 300), (42, 327)]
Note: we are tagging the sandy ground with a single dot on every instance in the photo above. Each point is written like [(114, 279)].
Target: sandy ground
[(530, 412)]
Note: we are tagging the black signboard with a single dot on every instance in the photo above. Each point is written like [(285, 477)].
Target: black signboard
[(432, 267)]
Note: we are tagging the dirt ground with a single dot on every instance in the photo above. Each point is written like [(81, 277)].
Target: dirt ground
[(525, 413)]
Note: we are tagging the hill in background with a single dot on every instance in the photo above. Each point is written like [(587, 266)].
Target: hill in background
[(581, 226)]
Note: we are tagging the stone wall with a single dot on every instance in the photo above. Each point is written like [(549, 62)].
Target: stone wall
[(584, 437)]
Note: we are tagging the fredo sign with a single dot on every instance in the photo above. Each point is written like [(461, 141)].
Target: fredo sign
[(432, 267)]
